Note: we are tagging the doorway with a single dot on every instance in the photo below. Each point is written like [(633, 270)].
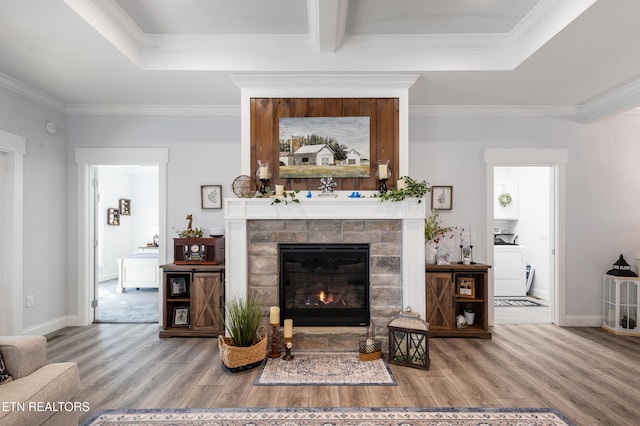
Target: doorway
[(555, 160), (86, 158), (523, 243), (126, 222)]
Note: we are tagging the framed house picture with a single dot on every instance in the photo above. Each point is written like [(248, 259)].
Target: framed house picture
[(180, 316), (113, 217), (442, 197), (178, 286), (466, 287), (211, 196)]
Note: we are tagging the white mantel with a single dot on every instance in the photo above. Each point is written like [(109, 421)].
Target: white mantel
[(411, 212)]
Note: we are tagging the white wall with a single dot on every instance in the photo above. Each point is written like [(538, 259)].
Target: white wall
[(45, 210)]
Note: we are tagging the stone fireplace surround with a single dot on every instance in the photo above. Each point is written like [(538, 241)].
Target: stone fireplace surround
[(394, 230)]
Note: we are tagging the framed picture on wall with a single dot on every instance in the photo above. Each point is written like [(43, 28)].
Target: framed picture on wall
[(125, 207), (113, 217), (442, 197), (211, 196)]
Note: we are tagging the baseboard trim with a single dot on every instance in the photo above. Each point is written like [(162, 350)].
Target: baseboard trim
[(582, 321), (51, 326)]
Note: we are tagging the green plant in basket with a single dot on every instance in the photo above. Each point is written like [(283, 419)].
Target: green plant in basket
[(244, 318)]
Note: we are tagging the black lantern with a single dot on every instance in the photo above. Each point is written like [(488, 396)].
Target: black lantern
[(621, 269)]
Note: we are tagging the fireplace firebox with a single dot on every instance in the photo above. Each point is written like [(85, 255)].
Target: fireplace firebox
[(324, 284)]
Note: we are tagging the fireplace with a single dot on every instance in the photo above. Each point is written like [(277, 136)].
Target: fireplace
[(324, 284)]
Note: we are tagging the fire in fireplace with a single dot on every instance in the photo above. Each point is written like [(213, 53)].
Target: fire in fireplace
[(325, 284)]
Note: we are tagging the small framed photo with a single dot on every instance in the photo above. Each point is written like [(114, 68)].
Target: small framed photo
[(211, 196), (442, 197), (180, 316), (113, 217), (178, 286), (466, 287), (125, 207)]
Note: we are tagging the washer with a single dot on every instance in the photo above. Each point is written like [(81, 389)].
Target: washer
[(510, 271)]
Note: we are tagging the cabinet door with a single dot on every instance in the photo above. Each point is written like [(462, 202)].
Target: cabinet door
[(440, 301), (206, 301)]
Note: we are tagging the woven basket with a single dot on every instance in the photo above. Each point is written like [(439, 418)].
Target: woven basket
[(240, 358)]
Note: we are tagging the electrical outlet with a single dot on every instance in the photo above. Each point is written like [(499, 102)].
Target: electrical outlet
[(31, 301)]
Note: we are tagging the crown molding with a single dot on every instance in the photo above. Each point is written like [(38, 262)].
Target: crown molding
[(492, 110), (297, 80), (617, 101), (32, 93), (154, 110)]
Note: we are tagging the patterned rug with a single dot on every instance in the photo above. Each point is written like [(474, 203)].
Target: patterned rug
[(326, 368), (331, 417), (519, 303)]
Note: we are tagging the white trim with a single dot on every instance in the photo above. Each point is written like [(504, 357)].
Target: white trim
[(86, 157), (557, 158), (12, 273)]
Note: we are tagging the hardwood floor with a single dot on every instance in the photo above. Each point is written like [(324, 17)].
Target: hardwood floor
[(588, 374)]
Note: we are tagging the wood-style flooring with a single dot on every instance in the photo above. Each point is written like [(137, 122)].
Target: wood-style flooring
[(588, 374)]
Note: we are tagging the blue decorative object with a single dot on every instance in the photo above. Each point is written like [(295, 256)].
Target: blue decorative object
[(354, 194), (308, 194)]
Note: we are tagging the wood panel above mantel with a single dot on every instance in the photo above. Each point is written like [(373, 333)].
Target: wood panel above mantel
[(384, 137)]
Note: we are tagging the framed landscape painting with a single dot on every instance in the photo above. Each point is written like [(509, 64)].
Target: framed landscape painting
[(316, 147)]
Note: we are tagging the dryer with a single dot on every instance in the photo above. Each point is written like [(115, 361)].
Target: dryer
[(509, 270)]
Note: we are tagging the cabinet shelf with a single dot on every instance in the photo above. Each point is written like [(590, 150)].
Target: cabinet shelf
[(446, 287), (197, 305)]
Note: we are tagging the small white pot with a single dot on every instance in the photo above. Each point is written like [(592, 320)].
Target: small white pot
[(469, 316)]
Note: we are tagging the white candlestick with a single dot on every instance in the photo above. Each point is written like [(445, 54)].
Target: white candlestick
[(274, 315), (288, 328), (383, 173)]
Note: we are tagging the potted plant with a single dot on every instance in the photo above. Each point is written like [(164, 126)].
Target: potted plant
[(433, 233), (246, 345), (470, 316)]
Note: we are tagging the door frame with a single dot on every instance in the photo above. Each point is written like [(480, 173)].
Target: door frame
[(85, 158), (12, 228), (557, 159)]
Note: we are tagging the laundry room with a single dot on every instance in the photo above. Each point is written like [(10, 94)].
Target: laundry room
[(523, 232)]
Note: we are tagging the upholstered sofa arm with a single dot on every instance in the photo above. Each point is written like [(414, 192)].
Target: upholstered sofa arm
[(23, 354)]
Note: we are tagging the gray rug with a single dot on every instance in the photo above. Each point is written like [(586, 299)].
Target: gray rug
[(131, 306), (518, 303), (326, 368), (331, 417)]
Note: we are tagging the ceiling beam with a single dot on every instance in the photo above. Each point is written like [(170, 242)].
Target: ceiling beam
[(327, 23)]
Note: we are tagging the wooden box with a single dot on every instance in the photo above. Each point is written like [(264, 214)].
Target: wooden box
[(197, 251)]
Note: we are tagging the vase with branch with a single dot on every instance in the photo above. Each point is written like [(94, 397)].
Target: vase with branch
[(434, 234)]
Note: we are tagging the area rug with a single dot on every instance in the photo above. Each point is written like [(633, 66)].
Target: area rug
[(518, 303), (331, 417), (326, 368)]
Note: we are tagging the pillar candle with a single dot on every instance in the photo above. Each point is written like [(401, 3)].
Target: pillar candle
[(279, 189), (288, 328), (382, 172), (401, 185), (274, 315), (264, 172)]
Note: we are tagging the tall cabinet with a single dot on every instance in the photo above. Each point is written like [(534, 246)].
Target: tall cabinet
[(193, 300), (452, 289)]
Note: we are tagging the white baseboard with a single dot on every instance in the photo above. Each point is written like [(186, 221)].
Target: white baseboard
[(582, 321), (51, 326)]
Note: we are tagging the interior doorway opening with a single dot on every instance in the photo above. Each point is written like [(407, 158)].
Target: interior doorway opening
[(126, 262), (523, 234)]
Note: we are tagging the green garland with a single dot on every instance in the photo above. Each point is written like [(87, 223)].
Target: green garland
[(414, 189)]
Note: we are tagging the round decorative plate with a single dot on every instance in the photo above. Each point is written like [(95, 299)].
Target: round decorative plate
[(244, 186)]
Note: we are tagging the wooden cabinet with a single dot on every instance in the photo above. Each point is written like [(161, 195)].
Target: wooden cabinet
[(193, 300), (452, 289)]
